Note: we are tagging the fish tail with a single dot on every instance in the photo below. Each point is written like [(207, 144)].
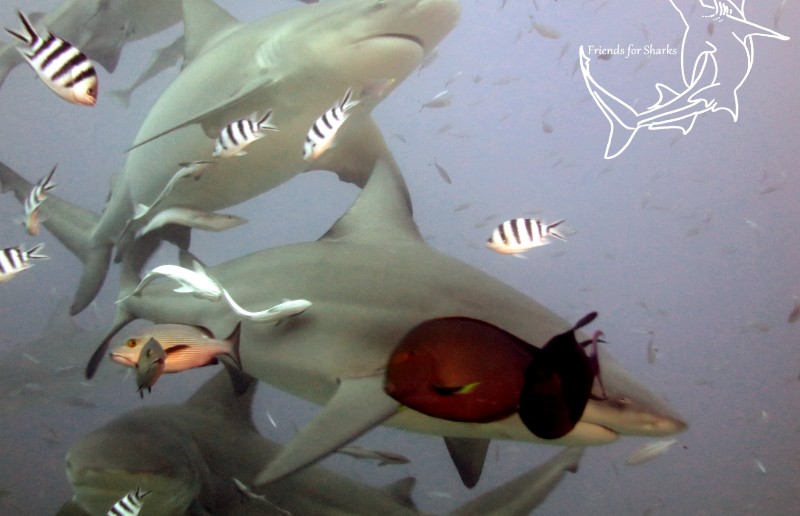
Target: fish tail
[(122, 96), (264, 124), (33, 253), (31, 35), (233, 338), (551, 230)]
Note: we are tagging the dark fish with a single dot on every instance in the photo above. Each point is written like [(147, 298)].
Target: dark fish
[(442, 172), (459, 369), (150, 366), (14, 260), (62, 67), (558, 383)]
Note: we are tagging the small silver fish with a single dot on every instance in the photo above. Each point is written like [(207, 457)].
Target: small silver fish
[(150, 366), (441, 99), (186, 347), (130, 504), (34, 201), (61, 66), (196, 282), (321, 135), (383, 457), (14, 260), (277, 313), (377, 89), (517, 235), (649, 451), (237, 135), (543, 30)]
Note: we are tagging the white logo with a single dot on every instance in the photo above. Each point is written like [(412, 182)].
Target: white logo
[(706, 89)]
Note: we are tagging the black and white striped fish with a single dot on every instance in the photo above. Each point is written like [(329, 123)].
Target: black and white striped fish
[(33, 202), (241, 133), (517, 235), (130, 504), (65, 69), (321, 135), (14, 260)]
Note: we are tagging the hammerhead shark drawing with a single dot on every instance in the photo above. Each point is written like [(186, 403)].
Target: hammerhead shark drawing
[(370, 279), (299, 63), (714, 65), (187, 456)]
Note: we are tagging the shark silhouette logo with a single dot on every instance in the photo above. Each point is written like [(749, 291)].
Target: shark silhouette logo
[(710, 80)]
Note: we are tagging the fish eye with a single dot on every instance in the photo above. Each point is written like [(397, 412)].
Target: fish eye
[(131, 343)]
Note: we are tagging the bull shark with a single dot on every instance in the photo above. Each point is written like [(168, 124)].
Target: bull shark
[(371, 278), (298, 62), (714, 65), (188, 455), (100, 28)]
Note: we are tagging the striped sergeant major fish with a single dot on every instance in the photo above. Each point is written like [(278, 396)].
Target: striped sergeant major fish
[(321, 135), (34, 200), (62, 67), (518, 235), (130, 504), (241, 133), (14, 260)]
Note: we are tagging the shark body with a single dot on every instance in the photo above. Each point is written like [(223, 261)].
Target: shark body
[(188, 455), (714, 65), (371, 278), (297, 63)]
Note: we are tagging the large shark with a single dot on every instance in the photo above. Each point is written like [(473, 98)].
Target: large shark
[(188, 455), (297, 63), (100, 28), (371, 278)]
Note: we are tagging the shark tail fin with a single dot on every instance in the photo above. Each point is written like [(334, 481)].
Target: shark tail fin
[(123, 97), (72, 226), (621, 117)]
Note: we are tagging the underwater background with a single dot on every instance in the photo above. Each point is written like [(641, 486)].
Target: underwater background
[(690, 242)]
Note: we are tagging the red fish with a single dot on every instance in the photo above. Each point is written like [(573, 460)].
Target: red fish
[(459, 369), (558, 384)]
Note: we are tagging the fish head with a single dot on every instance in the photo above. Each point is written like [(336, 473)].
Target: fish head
[(108, 463), (629, 407), (85, 92), (368, 41), (129, 353)]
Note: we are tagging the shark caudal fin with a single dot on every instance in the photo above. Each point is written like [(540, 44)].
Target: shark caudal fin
[(73, 227), (621, 117)]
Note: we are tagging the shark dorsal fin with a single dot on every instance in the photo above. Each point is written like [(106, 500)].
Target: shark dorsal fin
[(203, 22), (382, 210), (468, 455), (218, 394)]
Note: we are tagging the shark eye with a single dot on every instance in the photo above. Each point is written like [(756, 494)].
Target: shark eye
[(131, 343)]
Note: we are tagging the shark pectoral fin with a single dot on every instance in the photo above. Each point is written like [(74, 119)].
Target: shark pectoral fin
[(358, 405), (401, 491), (468, 456), (213, 117)]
